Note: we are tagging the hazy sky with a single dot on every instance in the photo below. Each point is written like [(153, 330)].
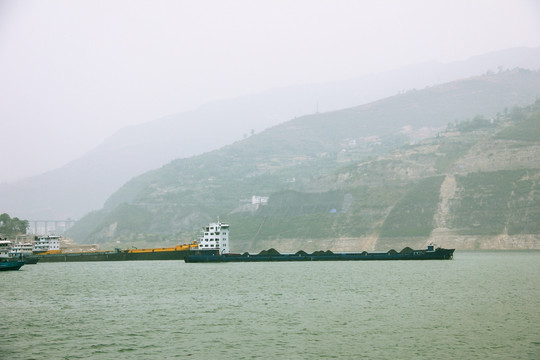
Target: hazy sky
[(74, 72)]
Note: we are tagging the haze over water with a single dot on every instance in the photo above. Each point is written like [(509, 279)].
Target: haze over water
[(480, 305)]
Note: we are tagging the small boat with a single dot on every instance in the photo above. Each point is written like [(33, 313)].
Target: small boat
[(10, 265), (17, 252), (23, 251), (46, 244)]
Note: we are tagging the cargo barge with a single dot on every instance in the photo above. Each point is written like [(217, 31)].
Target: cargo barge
[(47, 249), (269, 255), (172, 253), (213, 247)]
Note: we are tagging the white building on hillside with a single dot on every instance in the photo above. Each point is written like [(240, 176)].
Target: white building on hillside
[(259, 200)]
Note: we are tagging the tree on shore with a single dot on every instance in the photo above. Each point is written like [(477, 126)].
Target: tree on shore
[(12, 226)]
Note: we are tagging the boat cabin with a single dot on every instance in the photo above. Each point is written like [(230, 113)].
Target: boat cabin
[(5, 246), (47, 243), (21, 248), (215, 236)]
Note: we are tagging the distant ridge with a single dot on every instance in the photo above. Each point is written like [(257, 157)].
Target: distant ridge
[(84, 184)]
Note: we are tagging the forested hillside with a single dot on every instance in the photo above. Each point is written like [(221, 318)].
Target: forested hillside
[(456, 163)]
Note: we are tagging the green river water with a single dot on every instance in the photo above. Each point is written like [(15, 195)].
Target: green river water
[(481, 305)]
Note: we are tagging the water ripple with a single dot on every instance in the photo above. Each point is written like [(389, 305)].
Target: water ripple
[(481, 305)]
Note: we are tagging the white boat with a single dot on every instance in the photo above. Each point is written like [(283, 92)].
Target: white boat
[(21, 248), (46, 243), (5, 247), (17, 252), (23, 251), (6, 262)]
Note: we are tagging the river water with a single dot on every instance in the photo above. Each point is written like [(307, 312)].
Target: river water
[(480, 305)]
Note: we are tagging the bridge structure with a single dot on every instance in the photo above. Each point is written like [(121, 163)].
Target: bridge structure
[(49, 227)]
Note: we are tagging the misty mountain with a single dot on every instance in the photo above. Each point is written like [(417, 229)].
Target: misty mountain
[(85, 184), (330, 177)]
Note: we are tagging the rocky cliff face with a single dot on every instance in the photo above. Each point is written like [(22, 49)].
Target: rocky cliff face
[(497, 159), (488, 198)]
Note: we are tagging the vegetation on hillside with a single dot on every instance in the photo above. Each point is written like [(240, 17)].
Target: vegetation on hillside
[(482, 206), (10, 227), (413, 214), (526, 124), (347, 174)]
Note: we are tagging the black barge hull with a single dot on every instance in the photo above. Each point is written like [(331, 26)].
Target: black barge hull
[(114, 256), (438, 254)]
